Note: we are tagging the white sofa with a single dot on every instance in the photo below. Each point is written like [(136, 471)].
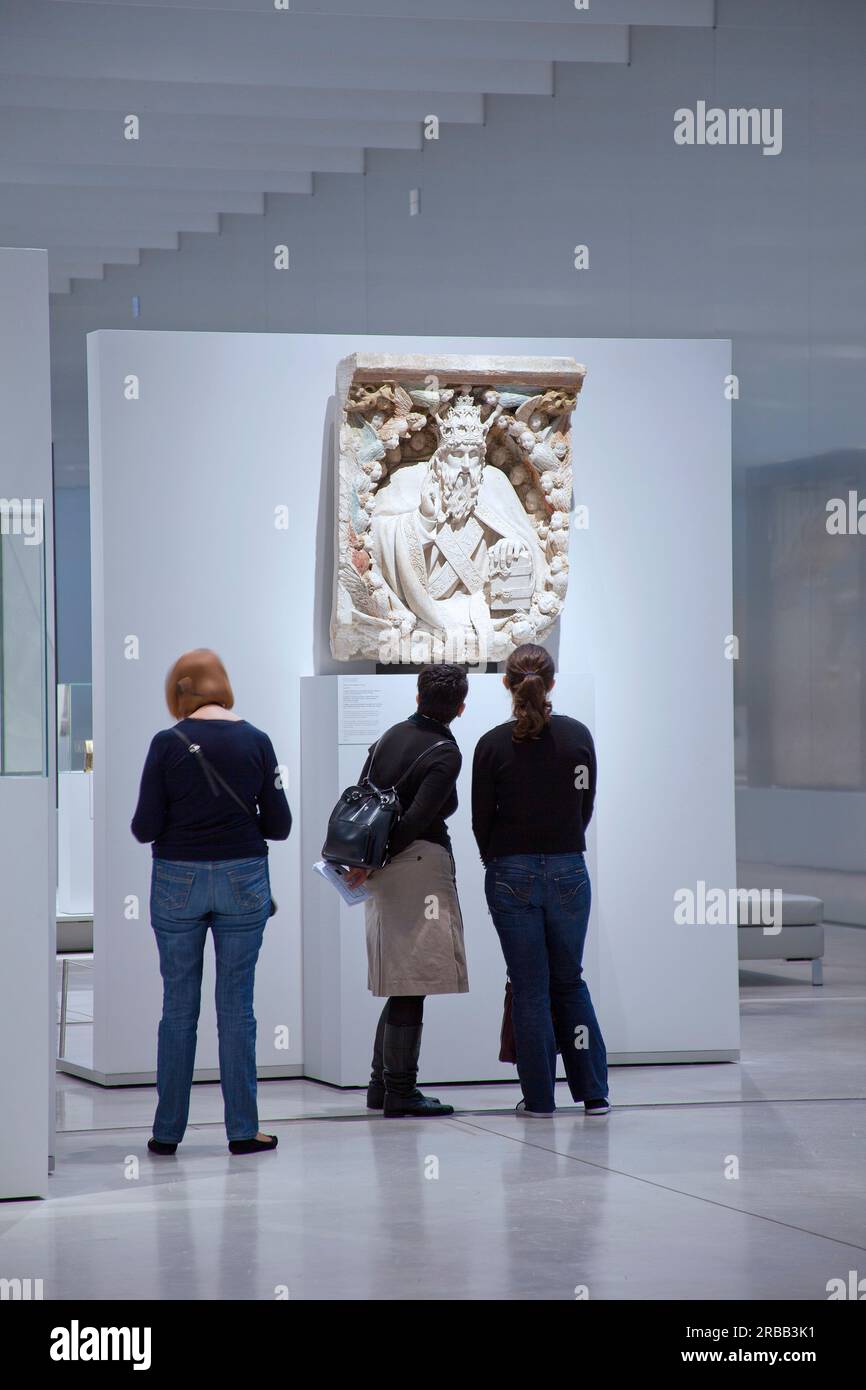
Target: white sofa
[(801, 937)]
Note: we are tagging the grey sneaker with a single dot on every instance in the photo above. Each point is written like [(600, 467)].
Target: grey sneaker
[(533, 1114)]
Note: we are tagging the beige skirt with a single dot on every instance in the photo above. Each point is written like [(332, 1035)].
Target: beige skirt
[(414, 927)]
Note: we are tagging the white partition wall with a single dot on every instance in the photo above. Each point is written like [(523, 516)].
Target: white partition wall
[(198, 440), (27, 785)]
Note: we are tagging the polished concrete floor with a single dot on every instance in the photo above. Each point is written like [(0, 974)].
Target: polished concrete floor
[(716, 1181)]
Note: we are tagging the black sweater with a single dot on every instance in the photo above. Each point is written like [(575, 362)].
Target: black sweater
[(429, 793), (182, 816), (524, 797)]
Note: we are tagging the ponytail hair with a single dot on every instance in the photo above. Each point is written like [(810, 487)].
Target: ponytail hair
[(529, 673)]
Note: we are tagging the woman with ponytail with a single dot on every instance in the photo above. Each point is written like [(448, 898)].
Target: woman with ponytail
[(533, 789)]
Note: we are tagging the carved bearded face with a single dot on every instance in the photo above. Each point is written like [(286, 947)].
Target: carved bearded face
[(458, 468)]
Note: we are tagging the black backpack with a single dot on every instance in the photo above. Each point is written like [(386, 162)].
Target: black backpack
[(364, 819)]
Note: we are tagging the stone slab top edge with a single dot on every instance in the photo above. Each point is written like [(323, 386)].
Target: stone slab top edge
[(533, 370)]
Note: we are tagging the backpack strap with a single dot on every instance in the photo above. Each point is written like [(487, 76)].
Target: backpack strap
[(440, 743)]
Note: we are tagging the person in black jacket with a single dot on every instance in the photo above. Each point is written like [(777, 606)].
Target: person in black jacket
[(533, 791), (211, 796), (414, 927)]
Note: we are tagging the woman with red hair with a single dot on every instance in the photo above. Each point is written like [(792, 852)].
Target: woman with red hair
[(211, 797)]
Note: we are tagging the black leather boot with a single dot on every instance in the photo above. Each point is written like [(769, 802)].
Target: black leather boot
[(376, 1088), (401, 1050)]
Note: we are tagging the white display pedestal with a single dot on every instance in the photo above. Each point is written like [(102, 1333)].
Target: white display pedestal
[(340, 717), (75, 844)]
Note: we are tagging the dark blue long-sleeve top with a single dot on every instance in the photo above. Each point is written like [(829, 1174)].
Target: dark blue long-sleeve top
[(185, 819)]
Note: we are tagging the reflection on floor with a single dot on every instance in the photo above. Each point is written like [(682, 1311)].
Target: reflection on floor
[(715, 1181)]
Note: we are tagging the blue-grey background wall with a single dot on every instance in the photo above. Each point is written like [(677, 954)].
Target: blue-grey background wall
[(683, 242), (72, 571)]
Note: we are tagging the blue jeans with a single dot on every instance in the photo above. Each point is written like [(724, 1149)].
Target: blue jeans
[(540, 908), (233, 898)]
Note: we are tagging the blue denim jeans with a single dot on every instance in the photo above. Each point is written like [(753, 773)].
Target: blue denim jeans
[(540, 908), (233, 898)]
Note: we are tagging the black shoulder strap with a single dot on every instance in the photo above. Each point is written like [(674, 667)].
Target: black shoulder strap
[(211, 775), (440, 743), (368, 778)]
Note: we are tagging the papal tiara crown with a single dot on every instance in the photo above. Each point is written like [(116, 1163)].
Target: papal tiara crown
[(462, 424)]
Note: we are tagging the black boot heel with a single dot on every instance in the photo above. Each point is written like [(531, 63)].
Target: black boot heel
[(157, 1148), (376, 1086), (252, 1146)]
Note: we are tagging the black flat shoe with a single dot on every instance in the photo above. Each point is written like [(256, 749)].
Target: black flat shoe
[(157, 1148), (252, 1146)]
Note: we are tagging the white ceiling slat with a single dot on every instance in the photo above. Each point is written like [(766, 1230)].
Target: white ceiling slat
[(693, 13), (34, 201), (63, 257), (233, 99), (104, 255), (126, 217), (48, 123), (77, 270), (86, 241), (73, 262), (70, 39), (466, 75), (698, 13), (112, 153), (91, 137), (237, 99), (75, 243), (83, 231), (160, 180)]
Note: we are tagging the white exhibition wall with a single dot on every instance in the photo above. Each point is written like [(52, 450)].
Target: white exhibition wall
[(27, 797), (198, 438)]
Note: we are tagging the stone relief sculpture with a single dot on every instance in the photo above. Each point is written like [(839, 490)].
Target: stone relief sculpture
[(454, 488)]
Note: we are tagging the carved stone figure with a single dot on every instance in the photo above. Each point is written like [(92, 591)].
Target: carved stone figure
[(454, 477)]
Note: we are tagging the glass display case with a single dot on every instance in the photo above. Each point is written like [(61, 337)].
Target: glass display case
[(75, 871), (23, 664), (74, 727)]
